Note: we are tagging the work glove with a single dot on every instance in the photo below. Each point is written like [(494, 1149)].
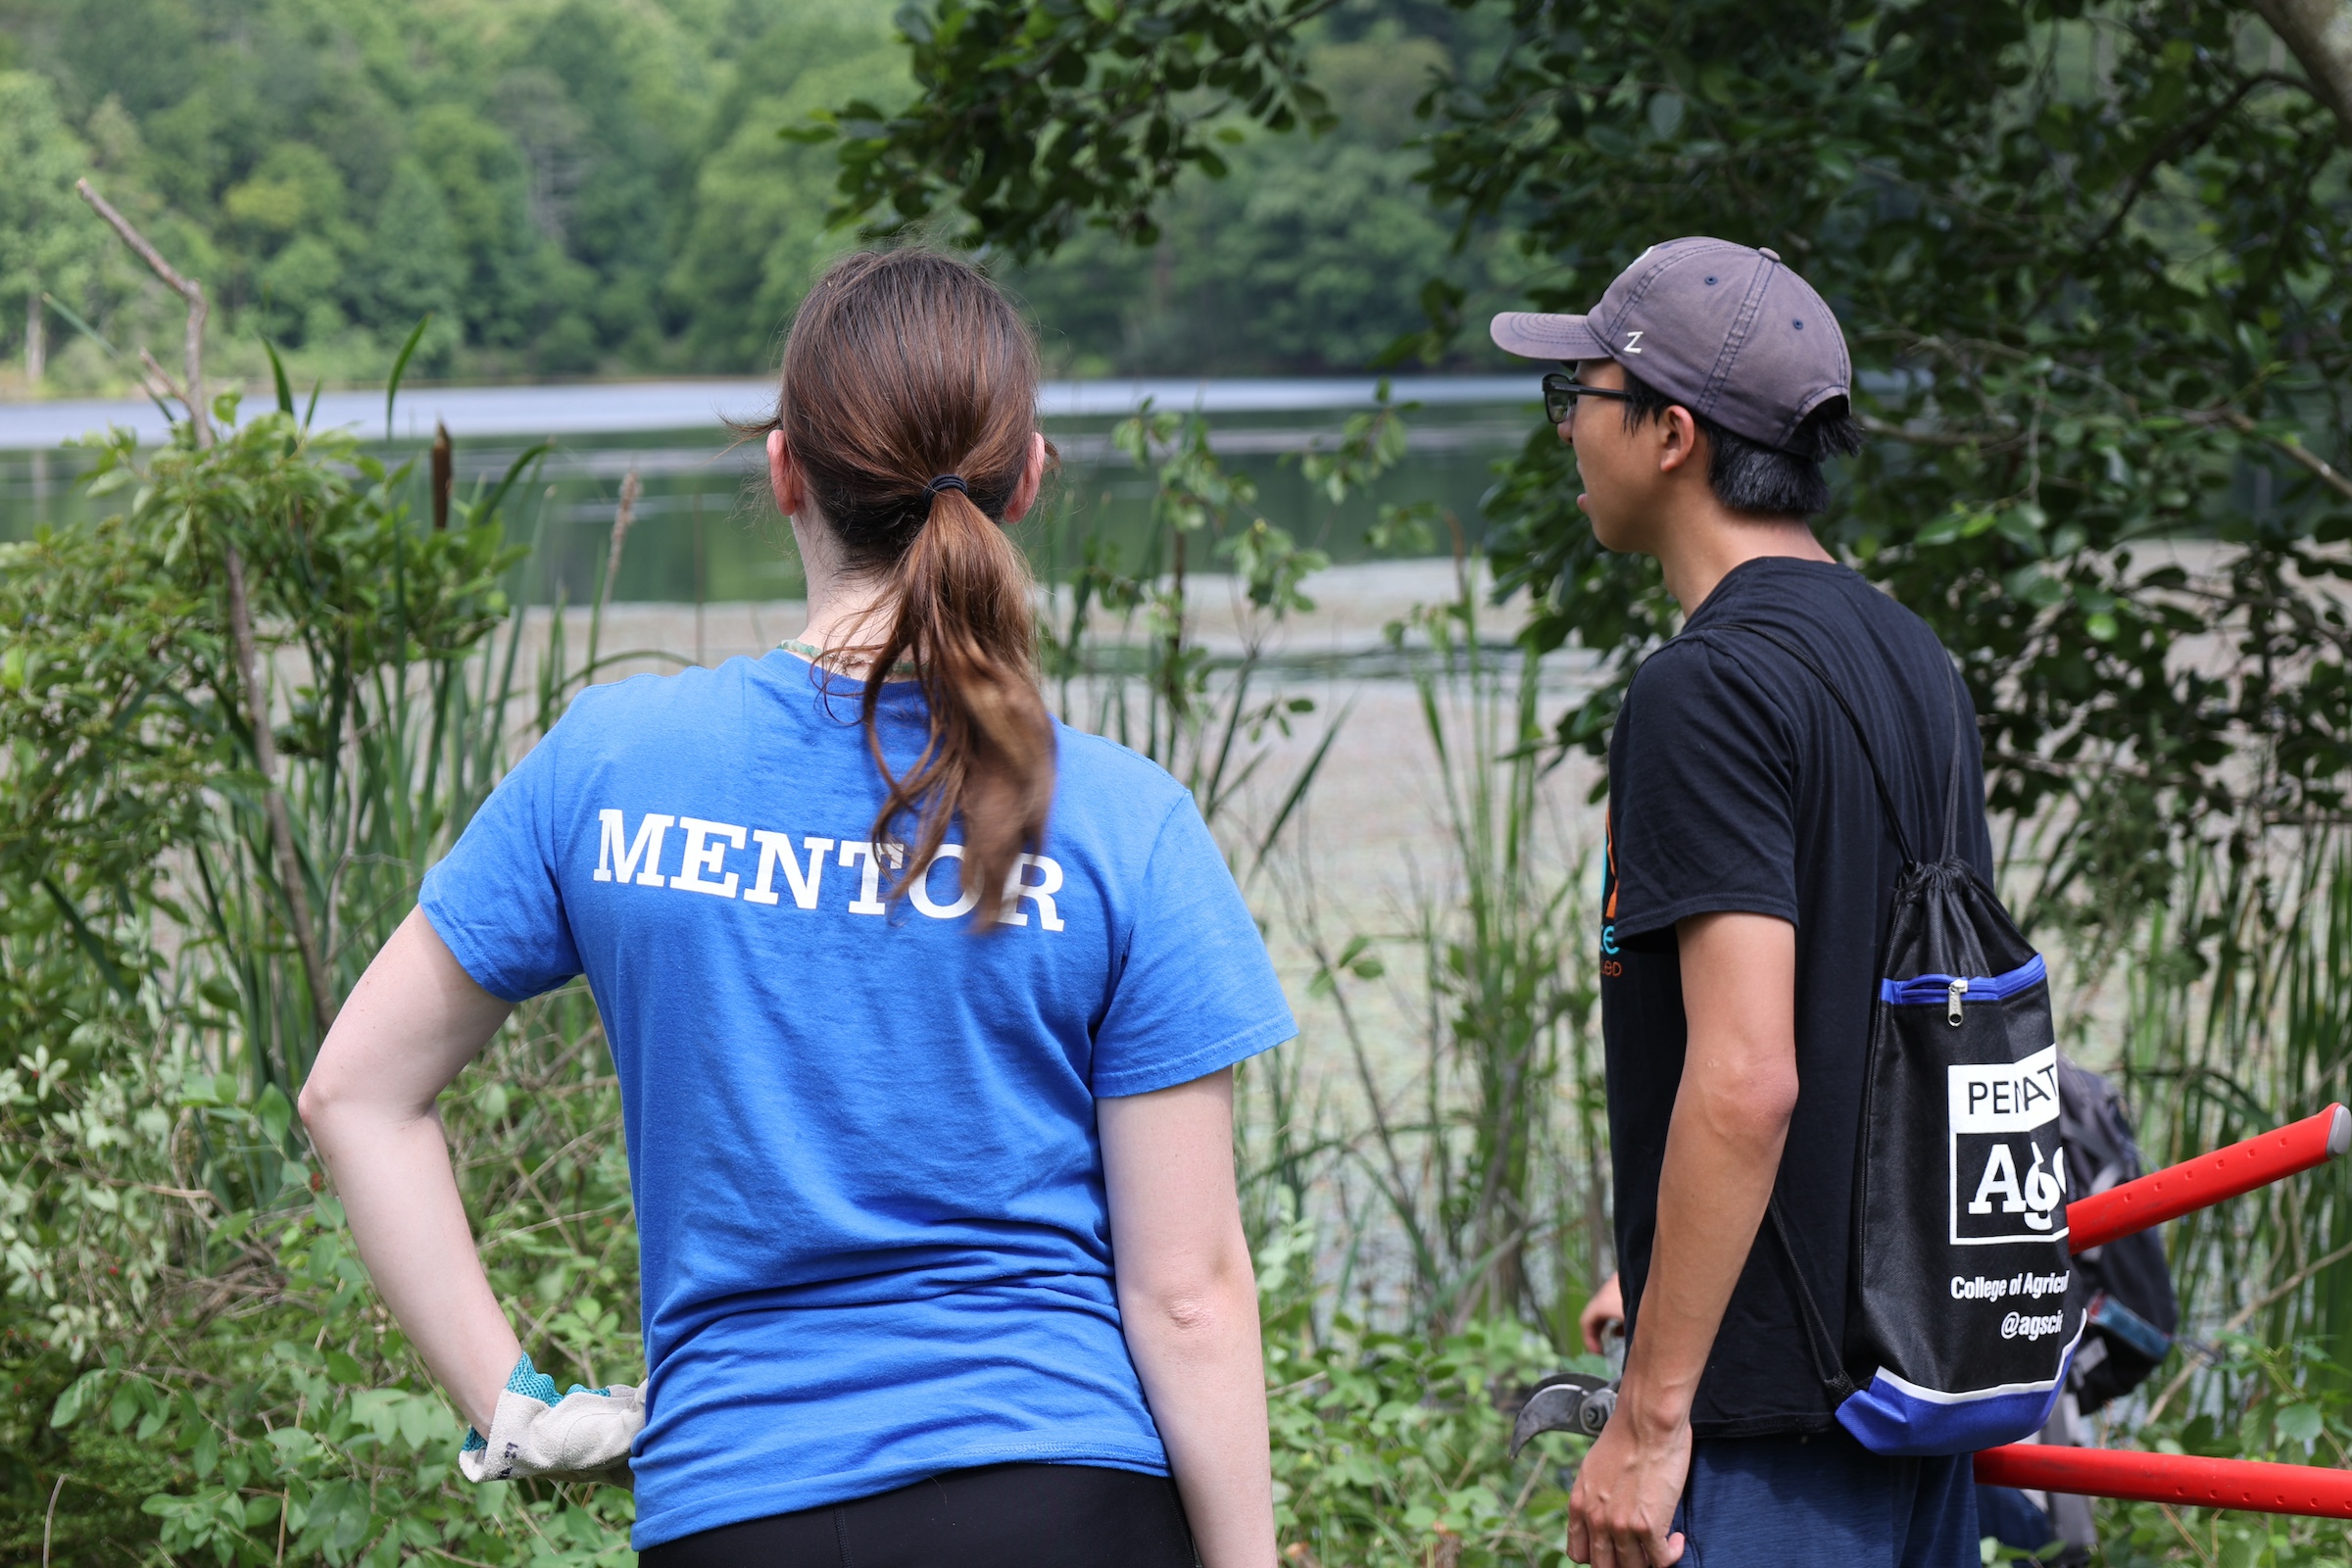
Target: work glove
[(584, 1436)]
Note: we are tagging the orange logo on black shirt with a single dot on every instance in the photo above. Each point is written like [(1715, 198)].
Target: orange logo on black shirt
[(1611, 967)]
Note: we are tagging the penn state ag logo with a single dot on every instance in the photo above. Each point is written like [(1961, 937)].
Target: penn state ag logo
[(2007, 1163)]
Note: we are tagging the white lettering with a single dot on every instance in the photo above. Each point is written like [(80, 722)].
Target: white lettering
[(920, 890), (610, 854), (1964, 1288), (775, 848), (1041, 892), (1632, 342), (2043, 1188), (2005, 1098), (2018, 1325), (2000, 1176), (869, 888), (702, 857)]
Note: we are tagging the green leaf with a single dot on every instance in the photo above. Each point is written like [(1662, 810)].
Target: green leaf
[(483, 512), (1944, 529), (822, 129), (345, 1370), (293, 1445), (2022, 526), (421, 1420), (205, 1458), (275, 1112), (75, 1397), (277, 373), (400, 367), (2299, 1423)]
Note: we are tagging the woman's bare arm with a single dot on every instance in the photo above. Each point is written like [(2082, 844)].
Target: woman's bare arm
[(416, 1021), (1189, 1299)]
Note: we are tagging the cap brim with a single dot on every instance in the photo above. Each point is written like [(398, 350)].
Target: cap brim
[(1535, 336)]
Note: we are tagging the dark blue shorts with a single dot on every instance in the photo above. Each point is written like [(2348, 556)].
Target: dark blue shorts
[(1773, 1501)]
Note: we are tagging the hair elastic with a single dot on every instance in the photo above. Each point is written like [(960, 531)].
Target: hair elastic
[(947, 481)]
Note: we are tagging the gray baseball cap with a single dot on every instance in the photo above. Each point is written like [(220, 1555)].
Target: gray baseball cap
[(1726, 331)]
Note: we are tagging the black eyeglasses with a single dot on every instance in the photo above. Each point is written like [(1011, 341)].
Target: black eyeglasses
[(1560, 393)]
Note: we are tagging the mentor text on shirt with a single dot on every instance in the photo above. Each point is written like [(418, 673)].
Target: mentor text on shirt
[(623, 857)]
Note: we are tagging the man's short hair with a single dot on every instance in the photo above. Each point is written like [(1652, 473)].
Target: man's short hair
[(1750, 477)]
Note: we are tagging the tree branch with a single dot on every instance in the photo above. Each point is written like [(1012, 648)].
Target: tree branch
[(1989, 442), (2292, 451), (2319, 33), (187, 289), (323, 1003)]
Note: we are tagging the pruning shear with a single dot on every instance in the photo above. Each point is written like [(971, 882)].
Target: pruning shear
[(1565, 1401)]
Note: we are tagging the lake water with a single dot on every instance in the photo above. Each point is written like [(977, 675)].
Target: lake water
[(704, 530)]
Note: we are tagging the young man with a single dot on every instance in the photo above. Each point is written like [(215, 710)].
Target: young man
[(1750, 871)]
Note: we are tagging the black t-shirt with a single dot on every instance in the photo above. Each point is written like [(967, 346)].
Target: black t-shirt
[(1736, 783)]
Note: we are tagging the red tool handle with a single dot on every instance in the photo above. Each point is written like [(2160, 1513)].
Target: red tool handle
[(2207, 1179), (2176, 1477)]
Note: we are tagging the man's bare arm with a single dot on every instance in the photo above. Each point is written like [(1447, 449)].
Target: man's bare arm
[(1723, 1151)]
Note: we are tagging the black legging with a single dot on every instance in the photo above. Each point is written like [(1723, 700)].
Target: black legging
[(1003, 1516)]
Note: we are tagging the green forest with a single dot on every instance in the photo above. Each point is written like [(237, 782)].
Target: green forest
[(598, 188)]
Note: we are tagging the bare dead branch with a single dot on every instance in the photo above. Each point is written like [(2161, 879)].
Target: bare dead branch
[(187, 289), (162, 382), (190, 393), (1989, 442), (2292, 451), (49, 1521)]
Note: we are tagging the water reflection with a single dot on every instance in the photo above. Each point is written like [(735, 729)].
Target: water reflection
[(704, 530)]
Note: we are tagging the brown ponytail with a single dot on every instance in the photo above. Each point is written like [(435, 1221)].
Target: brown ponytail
[(902, 367)]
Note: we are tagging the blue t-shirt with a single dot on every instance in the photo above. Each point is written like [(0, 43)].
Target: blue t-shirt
[(874, 1240)]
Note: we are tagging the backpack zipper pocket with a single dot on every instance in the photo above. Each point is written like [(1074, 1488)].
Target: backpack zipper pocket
[(1948, 988)]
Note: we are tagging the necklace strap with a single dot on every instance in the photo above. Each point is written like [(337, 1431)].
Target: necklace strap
[(904, 669)]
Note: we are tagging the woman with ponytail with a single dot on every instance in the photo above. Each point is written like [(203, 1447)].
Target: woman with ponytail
[(925, 1010)]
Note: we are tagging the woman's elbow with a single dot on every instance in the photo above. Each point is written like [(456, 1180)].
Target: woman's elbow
[(329, 1099), (316, 1104), (1197, 1306)]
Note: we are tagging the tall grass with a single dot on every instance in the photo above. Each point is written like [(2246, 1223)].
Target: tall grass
[(1489, 1199), (1485, 1165), (2238, 1018)]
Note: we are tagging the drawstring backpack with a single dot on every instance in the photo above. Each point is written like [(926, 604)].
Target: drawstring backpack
[(1958, 1326)]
